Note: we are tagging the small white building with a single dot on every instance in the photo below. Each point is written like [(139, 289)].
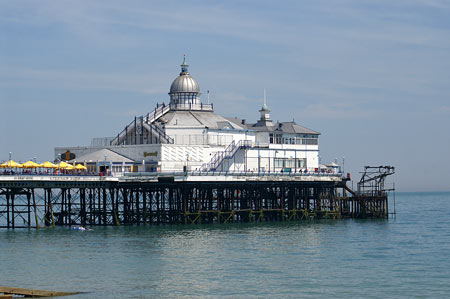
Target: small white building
[(187, 135)]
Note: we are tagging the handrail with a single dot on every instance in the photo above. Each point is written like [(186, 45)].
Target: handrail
[(194, 107), (161, 133), (231, 173), (148, 119), (228, 153), (159, 111), (116, 140), (220, 156)]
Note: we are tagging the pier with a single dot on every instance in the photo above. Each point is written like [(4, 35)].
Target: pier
[(182, 198), (183, 163)]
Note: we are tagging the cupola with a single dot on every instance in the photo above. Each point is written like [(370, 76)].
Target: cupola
[(185, 91)]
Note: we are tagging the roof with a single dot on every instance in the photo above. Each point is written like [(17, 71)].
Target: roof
[(292, 127), (265, 108), (211, 120), (205, 119), (184, 83), (100, 156), (268, 126), (236, 121)]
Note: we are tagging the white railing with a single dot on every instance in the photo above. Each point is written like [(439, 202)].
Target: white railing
[(158, 112), (195, 107), (228, 153)]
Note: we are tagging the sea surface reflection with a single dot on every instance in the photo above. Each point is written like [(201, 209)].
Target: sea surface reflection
[(402, 257)]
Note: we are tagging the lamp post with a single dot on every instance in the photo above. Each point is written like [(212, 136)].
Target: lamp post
[(295, 161), (187, 162), (104, 165), (320, 158), (259, 160), (10, 166), (343, 165), (274, 160)]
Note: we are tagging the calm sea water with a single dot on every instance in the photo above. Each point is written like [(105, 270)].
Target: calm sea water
[(408, 256)]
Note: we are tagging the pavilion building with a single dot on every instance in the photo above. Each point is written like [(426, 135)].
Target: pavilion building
[(187, 135)]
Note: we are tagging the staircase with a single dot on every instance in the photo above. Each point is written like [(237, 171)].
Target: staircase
[(139, 123), (228, 153), (157, 113)]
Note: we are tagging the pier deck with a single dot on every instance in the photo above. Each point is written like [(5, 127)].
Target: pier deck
[(180, 198)]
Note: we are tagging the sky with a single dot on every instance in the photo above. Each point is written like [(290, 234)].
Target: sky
[(371, 76)]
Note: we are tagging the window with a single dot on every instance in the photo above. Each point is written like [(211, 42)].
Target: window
[(279, 162), (278, 139), (271, 138), (301, 163), (289, 163), (311, 141)]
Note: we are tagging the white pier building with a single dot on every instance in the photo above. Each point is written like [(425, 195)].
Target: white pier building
[(187, 135)]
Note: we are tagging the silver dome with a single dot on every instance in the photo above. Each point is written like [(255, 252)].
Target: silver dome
[(184, 83)]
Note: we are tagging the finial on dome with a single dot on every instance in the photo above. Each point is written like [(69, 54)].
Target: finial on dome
[(184, 66)]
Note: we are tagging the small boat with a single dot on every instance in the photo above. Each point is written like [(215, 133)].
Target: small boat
[(78, 228)]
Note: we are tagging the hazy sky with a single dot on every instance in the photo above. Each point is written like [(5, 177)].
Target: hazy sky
[(371, 76)]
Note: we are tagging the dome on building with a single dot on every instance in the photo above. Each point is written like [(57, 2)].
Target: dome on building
[(184, 82), (265, 108), (185, 91)]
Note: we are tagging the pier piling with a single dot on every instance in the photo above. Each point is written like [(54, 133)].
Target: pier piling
[(105, 202)]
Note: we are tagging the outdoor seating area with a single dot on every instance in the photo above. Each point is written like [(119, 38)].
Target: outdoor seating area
[(12, 167)]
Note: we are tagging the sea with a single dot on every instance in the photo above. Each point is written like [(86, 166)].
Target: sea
[(405, 256)]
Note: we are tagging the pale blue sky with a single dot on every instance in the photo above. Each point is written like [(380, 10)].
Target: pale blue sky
[(371, 76)]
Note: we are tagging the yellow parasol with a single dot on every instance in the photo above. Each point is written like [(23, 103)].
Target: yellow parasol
[(48, 165), (11, 164), (69, 167), (30, 164), (63, 165), (80, 167)]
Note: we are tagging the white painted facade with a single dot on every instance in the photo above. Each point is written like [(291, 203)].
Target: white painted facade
[(187, 135)]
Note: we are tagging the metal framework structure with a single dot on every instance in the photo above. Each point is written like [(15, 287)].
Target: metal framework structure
[(372, 179), (142, 131), (28, 204)]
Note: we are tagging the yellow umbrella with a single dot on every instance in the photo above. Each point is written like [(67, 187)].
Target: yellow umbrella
[(11, 164), (69, 167), (80, 167), (30, 164), (48, 165), (63, 165)]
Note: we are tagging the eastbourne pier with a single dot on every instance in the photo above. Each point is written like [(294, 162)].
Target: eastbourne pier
[(182, 163), (151, 199)]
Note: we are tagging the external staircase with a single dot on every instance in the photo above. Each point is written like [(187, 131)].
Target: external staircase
[(137, 126), (229, 152)]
